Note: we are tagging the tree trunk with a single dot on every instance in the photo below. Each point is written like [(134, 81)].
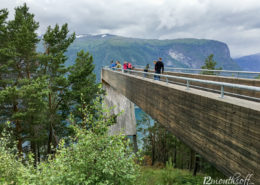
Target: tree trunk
[(197, 161), (33, 148), (153, 150), (39, 155), (18, 130), (50, 139), (50, 126), (181, 156), (135, 143), (164, 149), (192, 156), (175, 156)]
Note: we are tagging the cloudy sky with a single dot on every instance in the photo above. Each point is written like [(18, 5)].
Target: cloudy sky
[(235, 22)]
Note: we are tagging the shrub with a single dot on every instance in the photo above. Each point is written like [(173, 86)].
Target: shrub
[(90, 157)]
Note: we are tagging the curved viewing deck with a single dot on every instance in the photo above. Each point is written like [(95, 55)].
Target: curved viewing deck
[(217, 116)]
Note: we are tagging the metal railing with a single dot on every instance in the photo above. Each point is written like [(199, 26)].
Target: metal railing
[(188, 80), (229, 73)]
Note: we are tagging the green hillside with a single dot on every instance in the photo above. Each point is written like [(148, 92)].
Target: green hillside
[(189, 53)]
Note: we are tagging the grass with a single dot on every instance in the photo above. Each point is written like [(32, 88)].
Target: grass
[(168, 176)]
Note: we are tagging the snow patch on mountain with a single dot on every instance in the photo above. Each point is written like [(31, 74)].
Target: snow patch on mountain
[(79, 36), (82, 36)]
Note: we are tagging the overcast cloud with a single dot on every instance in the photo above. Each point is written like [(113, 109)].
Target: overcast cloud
[(235, 22)]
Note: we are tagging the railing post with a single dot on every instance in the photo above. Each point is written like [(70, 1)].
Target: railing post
[(167, 80), (188, 85), (222, 91)]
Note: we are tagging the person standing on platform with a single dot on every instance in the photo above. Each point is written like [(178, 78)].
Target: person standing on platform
[(125, 66), (159, 68), (112, 65), (129, 66), (155, 76), (146, 69), (118, 65)]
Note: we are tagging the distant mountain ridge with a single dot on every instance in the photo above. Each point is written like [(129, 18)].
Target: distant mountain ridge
[(249, 62), (187, 53)]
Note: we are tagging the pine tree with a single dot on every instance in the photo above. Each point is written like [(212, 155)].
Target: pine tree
[(37, 91), (3, 64), (56, 42), (210, 64), (23, 40), (20, 67), (33, 114), (82, 82)]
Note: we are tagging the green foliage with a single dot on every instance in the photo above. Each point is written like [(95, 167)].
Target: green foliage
[(22, 39), (11, 167), (161, 148), (3, 34), (95, 159), (168, 176), (37, 91), (159, 143), (56, 41), (82, 82), (89, 157), (22, 91), (210, 64), (258, 77)]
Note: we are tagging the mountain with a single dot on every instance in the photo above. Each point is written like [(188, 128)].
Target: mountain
[(249, 63), (187, 53)]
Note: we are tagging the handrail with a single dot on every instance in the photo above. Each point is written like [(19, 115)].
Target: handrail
[(188, 80), (208, 70)]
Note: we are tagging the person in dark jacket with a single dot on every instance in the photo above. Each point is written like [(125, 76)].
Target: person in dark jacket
[(159, 68)]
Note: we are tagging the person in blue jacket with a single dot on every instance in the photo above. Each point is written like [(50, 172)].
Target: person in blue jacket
[(112, 65)]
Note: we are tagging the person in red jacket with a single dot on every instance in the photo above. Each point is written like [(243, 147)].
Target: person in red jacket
[(125, 66), (129, 66)]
